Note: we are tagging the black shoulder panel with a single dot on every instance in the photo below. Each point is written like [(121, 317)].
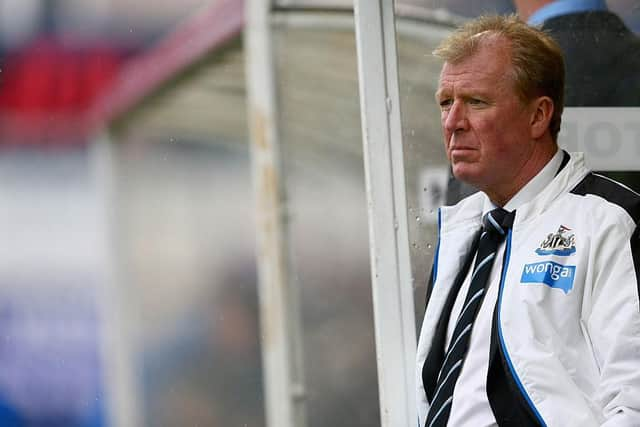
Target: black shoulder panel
[(621, 196), (611, 191)]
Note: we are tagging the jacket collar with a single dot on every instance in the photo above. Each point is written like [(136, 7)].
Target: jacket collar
[(467, 214)]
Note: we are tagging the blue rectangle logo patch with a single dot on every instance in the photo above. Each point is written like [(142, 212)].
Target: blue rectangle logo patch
[(550, 273)]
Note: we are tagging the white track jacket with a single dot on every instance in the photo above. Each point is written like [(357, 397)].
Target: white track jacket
[(565, 345)]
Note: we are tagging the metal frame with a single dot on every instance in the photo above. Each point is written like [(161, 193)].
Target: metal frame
[(280, 318), (387, 210), (196, 37), (122, 388)]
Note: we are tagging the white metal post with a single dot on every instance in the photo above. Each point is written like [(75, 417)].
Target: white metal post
[(122, 388), (388, 228), (280, 318)]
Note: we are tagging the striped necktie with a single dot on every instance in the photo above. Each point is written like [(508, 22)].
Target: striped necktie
[(495, 225)]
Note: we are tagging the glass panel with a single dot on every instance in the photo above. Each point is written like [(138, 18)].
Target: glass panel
[(185, 229), (186, 244), (426, 167), (322, 144)]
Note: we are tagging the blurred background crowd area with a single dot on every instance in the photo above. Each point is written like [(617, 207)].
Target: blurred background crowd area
[(58, 56), (128, 284)]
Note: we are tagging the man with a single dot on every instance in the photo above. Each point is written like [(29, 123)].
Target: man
[(533, 314), (602, 58)]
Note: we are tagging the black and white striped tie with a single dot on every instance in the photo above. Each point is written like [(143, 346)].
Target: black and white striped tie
[(495, 226)]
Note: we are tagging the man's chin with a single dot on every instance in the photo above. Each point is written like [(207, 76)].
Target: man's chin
[(463, 173)]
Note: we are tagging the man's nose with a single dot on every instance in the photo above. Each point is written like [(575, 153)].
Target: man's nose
[(456, 117)]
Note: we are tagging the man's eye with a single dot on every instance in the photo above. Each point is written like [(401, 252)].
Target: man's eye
[(475, 101), (445, 103)]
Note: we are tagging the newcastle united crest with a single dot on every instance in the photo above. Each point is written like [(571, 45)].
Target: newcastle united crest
[(558, 243)]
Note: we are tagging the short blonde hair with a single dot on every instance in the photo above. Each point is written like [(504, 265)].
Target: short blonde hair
[(536, 59)]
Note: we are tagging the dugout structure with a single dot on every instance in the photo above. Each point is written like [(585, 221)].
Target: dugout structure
[(265, 167)]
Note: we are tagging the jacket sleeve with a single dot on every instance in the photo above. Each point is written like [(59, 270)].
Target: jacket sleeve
[(613, 323)]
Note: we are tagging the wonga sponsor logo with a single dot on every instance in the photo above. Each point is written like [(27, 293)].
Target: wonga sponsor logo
[(550, 273)]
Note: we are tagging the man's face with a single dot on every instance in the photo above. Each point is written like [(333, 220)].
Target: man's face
[(486, 127)]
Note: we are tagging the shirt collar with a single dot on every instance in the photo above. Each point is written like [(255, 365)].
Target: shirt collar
[(531, 188), (564, 7)]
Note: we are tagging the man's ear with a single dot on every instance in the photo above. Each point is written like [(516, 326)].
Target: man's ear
[(541, 112)]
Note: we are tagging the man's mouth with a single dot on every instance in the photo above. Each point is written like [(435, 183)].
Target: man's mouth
[(461, 149)]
